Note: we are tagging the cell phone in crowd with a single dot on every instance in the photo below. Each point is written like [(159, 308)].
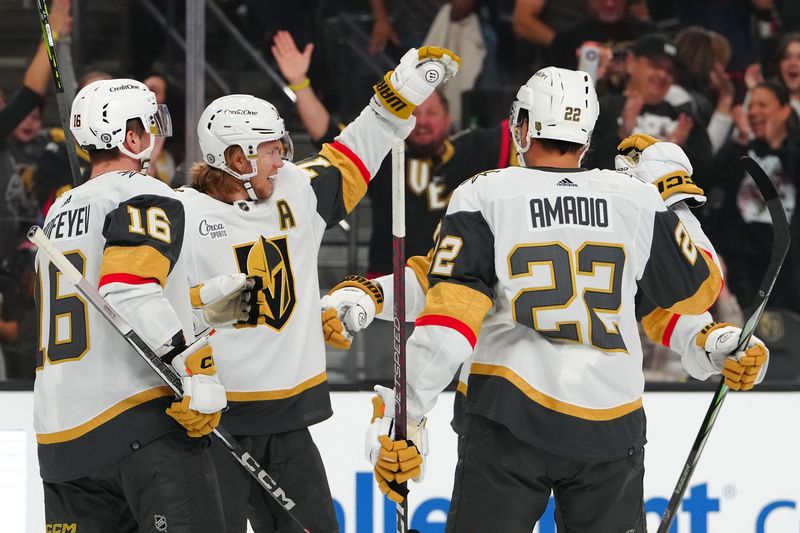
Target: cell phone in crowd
[(589, 59)]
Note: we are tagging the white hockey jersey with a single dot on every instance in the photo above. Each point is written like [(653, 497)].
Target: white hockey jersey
[(274, 373), (537, 270), (94, 396)]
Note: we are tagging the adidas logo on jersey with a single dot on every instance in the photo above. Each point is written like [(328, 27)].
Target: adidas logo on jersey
[(566, 182)]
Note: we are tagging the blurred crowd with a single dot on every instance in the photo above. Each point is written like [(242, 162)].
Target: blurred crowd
[(720, 78)]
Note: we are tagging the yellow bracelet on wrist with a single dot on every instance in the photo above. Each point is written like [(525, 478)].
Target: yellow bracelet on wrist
[(302, 85)]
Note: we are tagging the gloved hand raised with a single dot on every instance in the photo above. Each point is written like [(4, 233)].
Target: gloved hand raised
[(203, 396), (741, 370), (419, 73), (394, 461), (349, 307), (664, 164)]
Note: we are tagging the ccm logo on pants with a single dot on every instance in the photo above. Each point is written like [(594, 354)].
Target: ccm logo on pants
[(61, 528)]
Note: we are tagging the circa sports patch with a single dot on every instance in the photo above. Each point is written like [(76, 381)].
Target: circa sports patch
[(213, 230)]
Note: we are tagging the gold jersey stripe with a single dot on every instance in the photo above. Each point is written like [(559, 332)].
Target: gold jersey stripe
[(354, 183), (655, 324), (462, 388), (457, 301), (105, 416), (280, 394), (420, 266), (143, 261), (194, 296), (705, 296), (586, 413)]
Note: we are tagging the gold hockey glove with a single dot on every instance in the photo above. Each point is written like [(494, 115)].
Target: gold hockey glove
[(196, 424), (349, 307), (419, 73), (741, 370), (664, 164), (203, 396), (333, 330), (394, 461)]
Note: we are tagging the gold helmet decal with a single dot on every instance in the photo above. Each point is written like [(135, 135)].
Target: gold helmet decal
[(268, 259)]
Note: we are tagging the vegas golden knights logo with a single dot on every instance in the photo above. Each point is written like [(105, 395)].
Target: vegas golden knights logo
[(269, 260)]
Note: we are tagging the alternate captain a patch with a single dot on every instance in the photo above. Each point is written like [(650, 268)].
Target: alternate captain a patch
[(268, 259)]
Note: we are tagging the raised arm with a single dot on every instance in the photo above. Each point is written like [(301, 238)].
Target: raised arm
[(527, 22), (37, 77), (293, 65)]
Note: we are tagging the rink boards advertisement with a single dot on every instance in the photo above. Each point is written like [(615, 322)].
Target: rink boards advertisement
[(748, 478)]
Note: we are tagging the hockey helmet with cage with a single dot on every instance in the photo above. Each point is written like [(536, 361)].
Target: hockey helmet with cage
[(102, 109), (559, 104), (245, 121)]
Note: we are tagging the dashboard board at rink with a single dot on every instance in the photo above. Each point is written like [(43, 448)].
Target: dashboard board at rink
[(747, 481)]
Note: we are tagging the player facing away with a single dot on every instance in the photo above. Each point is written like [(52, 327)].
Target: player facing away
[(535, 276), (251, 210), (703, 345), (109, 456)]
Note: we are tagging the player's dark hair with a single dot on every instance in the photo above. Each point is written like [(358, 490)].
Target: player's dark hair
[(100, 156), (563, 147)]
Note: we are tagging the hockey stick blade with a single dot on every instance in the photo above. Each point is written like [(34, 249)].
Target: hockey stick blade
[(164, 371), (781, 240)]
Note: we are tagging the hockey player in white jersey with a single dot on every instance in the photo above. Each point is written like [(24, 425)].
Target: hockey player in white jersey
[(252, 210), (556, 380), (109, 456), (703, 344), (352, 304)]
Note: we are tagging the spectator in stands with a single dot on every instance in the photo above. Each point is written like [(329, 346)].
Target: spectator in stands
[(769, 132), (609, 23), (785, 67), (464, 26), (399, 27), (650, 66), (539, 21), (731, 18), (702, 82), (15, 201)]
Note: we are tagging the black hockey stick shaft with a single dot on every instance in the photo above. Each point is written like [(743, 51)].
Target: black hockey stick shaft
[(61, 98), (780, 246), (399, 286), (164, 371)]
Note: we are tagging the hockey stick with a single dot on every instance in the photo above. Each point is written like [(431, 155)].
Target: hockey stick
[(164, 371), (61, 98), (780, 246), (399, 285)]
